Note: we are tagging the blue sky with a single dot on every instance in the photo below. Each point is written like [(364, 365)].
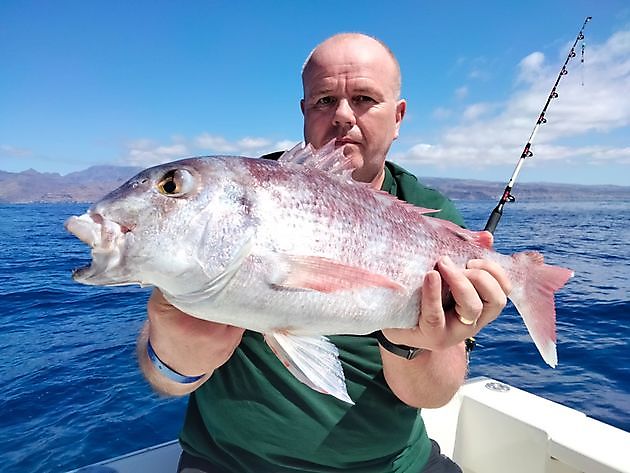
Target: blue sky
[(144, 82)]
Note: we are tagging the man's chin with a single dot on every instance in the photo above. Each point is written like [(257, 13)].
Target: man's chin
[(353, 152)]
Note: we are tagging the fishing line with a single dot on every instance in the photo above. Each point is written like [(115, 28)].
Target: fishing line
[(507, 196)]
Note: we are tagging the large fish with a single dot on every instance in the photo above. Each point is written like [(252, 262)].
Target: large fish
[(294, 249)]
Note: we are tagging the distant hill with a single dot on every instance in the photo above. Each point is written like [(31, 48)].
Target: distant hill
[(468, 189), (88, 185), (93, 183)]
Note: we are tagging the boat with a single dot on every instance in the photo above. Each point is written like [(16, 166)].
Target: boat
[(488, 427)]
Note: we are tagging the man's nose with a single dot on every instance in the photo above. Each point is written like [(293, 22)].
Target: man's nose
[(344, 115)]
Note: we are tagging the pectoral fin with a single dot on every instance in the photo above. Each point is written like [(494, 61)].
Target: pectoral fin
[(325, 275), (312, 360)]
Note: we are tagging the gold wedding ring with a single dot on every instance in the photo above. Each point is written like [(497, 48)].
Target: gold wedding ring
[(465, 321)]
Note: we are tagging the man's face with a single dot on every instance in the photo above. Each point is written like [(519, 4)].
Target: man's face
[(351, 95)]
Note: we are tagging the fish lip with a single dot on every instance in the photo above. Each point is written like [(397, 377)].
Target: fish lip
[(95, 230), (99, 219)]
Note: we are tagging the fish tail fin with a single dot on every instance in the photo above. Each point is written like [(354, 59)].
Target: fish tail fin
[(533, 298)]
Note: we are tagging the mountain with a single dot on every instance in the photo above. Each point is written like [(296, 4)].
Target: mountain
[(88, 185), (467, 189), (93, 183)]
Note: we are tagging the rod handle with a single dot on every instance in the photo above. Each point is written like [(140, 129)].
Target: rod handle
[(493, 221)]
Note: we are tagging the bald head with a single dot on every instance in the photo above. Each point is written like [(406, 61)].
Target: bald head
[(352, 96), (352, 47)]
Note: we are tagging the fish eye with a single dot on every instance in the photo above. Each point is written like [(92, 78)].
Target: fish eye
[(176, 183)]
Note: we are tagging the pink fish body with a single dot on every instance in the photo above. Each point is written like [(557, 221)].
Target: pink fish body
[(293, 249)]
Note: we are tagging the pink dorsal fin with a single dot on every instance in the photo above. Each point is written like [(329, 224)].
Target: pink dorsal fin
[(327, 158), (387, 197), (324, 275), (482, 238)]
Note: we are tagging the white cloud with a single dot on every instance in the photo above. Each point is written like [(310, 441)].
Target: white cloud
[(442, 113), (214, 143), (461, 92), (475, 111), (589, 112), (284, 145), (144, 152), (619, 155), (14, 151), (531, 67), (253, 143)]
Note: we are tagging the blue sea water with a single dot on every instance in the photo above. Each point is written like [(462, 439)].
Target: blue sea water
[(72, 393)]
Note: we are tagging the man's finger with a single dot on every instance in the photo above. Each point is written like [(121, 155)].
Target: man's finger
[(497, 272), (490, 292), (431, 310), (468, 305)]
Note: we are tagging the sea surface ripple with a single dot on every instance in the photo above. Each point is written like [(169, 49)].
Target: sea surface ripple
[(73, 395)]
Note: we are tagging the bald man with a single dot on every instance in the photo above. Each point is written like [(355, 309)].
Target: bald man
[(246, 412)]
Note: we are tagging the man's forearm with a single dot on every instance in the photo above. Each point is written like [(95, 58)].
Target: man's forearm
[(188, 346), (430, 380), (157, 380)]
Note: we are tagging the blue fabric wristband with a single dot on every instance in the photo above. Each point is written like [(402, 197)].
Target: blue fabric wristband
[(164, 369)]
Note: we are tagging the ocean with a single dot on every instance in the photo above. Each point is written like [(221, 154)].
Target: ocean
[(72, 393)]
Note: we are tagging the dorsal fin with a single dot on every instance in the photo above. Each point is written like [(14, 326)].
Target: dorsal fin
[(327, 158), (332, 160), (482, 238)]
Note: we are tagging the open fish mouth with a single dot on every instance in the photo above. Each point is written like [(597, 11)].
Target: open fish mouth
[(106, 238), (96, 231)]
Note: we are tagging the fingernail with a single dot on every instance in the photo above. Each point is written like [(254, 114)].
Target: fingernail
[(447, 261), (431, 277)]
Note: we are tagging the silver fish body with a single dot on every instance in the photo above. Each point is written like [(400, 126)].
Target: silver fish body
[(293, 249)]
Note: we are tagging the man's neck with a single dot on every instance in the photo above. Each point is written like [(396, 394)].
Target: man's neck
[(377, 182)]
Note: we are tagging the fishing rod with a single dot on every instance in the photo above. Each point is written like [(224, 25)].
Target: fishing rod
[(507, 196)]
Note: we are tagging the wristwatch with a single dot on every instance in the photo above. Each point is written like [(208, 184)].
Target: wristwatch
[(403, 351)]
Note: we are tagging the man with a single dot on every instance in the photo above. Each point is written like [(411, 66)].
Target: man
[(246, 412)]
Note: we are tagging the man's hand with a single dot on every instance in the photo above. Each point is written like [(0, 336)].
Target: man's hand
[(479, 294), (188, 345)]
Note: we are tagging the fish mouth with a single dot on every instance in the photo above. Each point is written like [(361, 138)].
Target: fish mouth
[(95, 230), (107, 239)]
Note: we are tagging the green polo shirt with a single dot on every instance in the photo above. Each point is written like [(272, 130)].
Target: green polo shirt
[(253, 416)]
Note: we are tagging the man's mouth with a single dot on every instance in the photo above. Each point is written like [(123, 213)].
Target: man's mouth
[(344, 141)]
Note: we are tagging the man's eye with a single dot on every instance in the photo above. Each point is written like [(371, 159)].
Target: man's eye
[(326, 101), (364, 99)]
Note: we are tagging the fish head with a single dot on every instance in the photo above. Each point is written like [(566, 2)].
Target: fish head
[(152, 228)]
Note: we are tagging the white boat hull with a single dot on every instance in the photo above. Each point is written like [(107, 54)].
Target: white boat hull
[(490, 427)]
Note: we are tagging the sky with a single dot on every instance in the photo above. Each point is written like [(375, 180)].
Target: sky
[(142, 82)]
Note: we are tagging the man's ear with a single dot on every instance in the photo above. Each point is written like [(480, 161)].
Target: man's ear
[(302, 106), (401, 108)]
